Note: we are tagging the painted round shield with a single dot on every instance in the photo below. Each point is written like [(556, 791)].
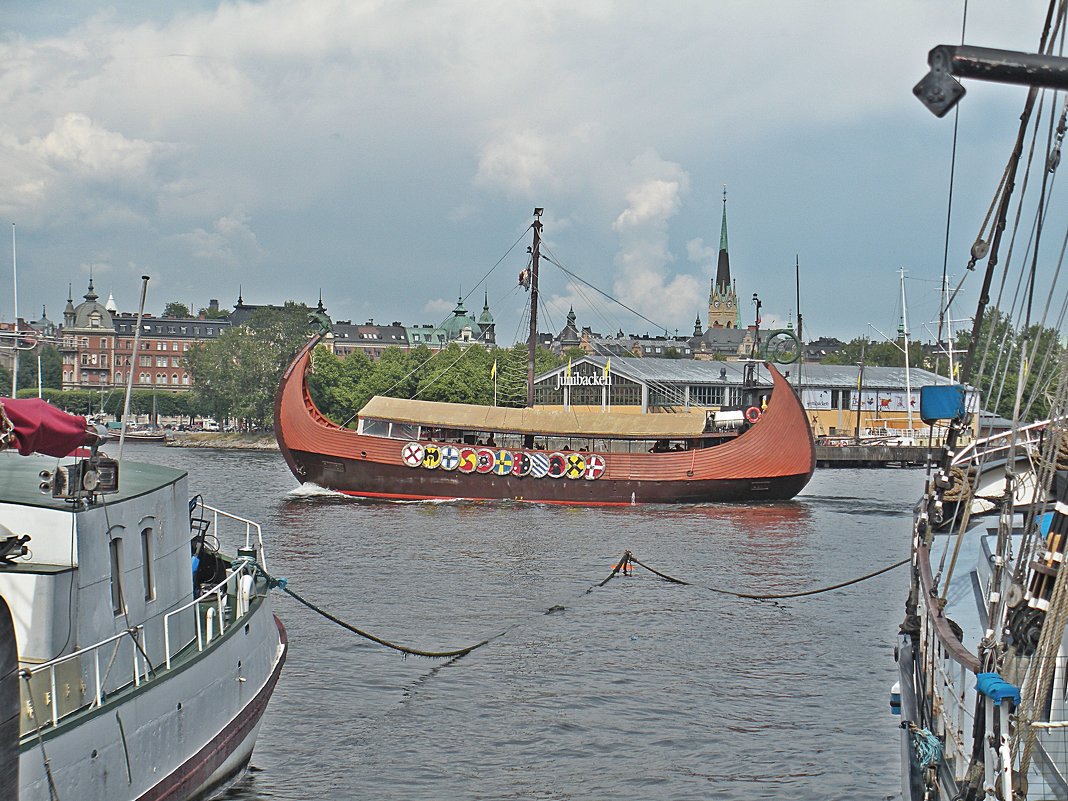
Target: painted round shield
[(468, 460), (576, 465), (595, 466), (505, 462), (450, 457), (521, 464), (486, 461), (412, 454), (539, 465), (431, 457), (557, 465)]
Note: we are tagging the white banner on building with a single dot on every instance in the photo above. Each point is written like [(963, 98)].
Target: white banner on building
[(816, 398)]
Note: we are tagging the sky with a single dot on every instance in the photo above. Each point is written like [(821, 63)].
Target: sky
[(390, 153)]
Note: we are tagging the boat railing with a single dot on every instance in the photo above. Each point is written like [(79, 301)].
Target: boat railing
[(212, 608), (140, 668), (251, 528)]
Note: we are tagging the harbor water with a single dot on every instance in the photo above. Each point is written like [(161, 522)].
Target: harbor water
[(640, 689)]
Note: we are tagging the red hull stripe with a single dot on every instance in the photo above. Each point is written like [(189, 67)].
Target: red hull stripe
[(196, 770), (396, 496)]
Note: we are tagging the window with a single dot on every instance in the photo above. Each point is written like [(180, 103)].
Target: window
[(142, 378), (145, 361), (161, 378), (161, 361), (174, 378), (174, 361), (161, 346), (118, 604), (147, 554), (185, 379), (174, 346)]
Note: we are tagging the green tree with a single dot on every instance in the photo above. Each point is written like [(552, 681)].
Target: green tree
[(176, 309), (877, 354), (213, 314), (237, 374), (997, 362)]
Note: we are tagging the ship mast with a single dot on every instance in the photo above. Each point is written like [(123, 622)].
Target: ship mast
[(532, 340)]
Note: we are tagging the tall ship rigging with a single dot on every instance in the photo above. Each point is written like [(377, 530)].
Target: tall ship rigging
[(983, 679)]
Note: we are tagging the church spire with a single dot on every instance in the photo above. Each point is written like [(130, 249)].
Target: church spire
[(723, 270)]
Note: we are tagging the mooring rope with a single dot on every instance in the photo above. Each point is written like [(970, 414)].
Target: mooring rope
[(770, 596), (282, 584), (625, 565)]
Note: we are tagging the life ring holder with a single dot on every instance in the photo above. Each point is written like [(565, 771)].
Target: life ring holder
[(752, 414)]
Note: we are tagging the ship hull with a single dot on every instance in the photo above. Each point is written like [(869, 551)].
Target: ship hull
[(183, 737), (771, 461), (375, 481)]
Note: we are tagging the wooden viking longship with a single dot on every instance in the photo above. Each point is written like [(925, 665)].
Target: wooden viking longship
[(419, 450)]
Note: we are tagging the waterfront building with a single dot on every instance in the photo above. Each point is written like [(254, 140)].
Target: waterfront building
[(345, 338), (835, 400), (96, 346)]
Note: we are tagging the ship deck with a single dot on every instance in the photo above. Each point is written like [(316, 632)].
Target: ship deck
[(20, 480)]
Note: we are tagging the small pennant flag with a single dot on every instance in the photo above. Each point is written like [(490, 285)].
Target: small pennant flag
[(493, 371), (569, 368), (607, 366)]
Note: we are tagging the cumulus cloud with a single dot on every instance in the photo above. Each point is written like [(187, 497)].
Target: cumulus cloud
[(644, 279), (230, 242)]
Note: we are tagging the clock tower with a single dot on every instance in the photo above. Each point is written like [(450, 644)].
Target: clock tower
[(723, 309)]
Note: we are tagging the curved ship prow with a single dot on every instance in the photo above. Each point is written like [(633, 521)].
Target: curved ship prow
[(420, 450)]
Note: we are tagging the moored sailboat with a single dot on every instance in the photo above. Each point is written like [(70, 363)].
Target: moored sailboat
[(983, 658)]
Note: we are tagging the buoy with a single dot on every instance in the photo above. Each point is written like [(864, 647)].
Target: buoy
[(752, 414)]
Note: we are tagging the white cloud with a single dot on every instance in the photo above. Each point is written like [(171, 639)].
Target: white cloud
[(643, 277), (230, 242)]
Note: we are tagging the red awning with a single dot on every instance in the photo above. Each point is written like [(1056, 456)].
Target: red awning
[(37, 427)]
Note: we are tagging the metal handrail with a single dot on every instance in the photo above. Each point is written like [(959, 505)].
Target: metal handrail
[(237, 569), (98, 699), (249, 526)]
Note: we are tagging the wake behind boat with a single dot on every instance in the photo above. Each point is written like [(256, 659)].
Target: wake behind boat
[(136, 658), (418, 450)]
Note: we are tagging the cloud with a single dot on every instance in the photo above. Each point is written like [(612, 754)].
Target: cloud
[(231, 241), (643, 279)]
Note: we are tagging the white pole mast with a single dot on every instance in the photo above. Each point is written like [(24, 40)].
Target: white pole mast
[(133, 365), (905, 331), (15, 276)]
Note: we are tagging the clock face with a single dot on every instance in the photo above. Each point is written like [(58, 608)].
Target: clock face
[(715, 303), (729, 304)]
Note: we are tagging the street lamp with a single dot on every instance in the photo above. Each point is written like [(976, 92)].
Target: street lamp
[(756, 344)]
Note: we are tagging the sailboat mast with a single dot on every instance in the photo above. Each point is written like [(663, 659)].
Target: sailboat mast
[(532, 340), (15, 279), (905, 334)]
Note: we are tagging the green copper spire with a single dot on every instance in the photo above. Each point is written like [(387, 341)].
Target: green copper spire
[(723, 225), (723, 269)]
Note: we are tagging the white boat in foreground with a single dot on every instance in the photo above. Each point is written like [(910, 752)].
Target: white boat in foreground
[(136, 660)]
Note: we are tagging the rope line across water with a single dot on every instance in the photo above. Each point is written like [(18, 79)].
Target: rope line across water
[(624, 566), (282, 584), (773, 596)]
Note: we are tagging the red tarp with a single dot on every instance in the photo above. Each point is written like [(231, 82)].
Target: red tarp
[(42, 428)]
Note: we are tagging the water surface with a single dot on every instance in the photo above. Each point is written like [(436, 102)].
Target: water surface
[(641, 689)]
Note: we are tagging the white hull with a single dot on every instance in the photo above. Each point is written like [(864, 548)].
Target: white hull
[(186, 735)]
